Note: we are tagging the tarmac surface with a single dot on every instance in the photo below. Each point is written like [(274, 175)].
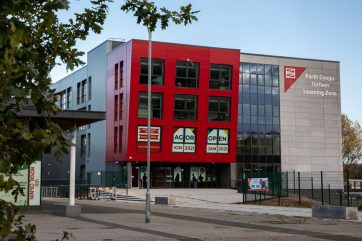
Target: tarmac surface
[(197, 215)]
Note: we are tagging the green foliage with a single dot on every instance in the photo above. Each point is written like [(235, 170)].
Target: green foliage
[(147, 14), (351, 140), (32, 41)]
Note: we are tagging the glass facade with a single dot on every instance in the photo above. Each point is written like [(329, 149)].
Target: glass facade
[(258, 144)]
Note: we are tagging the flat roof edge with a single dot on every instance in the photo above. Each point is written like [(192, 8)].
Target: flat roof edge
[(287, 57), (191, 45)]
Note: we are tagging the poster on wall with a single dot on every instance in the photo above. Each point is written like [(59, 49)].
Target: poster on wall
[(197, 174), (202, 174), (155, 139), (194, 173), (217, 141), (258, 184), (177, 176), (143, 176), (184, 140)]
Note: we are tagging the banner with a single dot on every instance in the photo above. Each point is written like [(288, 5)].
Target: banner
[(34, 183), (258, 184), (217, 141), (184, 140), (155, 139)]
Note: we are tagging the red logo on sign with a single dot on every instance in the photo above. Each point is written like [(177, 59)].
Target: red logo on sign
[(291, 74)]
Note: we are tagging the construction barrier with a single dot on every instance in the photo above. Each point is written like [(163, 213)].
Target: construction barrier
[(97, 193)]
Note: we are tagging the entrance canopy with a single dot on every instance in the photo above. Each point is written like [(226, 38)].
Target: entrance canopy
[(66, 119)]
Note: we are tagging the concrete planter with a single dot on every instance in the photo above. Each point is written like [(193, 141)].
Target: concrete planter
[(335, 212), (67, 210), (165, 200)]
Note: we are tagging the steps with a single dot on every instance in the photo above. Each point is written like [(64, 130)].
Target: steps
[(121, 197)]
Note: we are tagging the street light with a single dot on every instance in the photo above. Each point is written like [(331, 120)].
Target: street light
[(149, 83), (147, 13)]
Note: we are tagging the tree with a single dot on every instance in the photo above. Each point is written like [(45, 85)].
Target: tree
[(147, 13), (351, 140), (32, 42)]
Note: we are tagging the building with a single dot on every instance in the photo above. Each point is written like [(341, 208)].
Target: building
[(216, 113)]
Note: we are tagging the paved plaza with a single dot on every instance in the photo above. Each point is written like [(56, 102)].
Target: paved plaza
[(198, 215)]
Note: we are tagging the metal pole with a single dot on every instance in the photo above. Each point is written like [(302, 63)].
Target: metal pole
[(299, 188), (294, 180), (72, 168), (148, 195), (312, 187), (348, 204), (322, 188)]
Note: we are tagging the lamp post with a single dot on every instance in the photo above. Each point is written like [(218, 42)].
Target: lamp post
[(148, 14), (149, 83)]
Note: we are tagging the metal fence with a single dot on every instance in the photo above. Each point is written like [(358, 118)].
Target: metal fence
[(302, 189)]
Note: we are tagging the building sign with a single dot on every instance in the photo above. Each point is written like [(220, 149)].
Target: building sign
[(319, 84), (291, 74), (34, 183), (217, 141), (184, 140), (29, 180), (258, 184), (155, 138)]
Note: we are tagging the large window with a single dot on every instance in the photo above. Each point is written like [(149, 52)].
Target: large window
[(220, 77), (156, 105), (219, 108), (157, 71), (258, 121), (185, 107), (187, 74)]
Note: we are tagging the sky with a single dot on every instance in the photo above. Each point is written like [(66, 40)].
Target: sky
[(315, 29)]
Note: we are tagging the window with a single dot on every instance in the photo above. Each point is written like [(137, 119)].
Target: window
[(116, 76), (187, 74), (89, 145), (115, 139), (120, 141), (120, 106), (121, 74), (84, 91), (219, 108), (156, 105), (89, 88), (220, 77), (259, 91), (157, 71), (69, 98), (63, 100), (185, 107), (115, 107), (78, 93), (83, 145)]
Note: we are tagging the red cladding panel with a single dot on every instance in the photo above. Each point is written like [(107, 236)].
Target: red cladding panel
[(171, 53)]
